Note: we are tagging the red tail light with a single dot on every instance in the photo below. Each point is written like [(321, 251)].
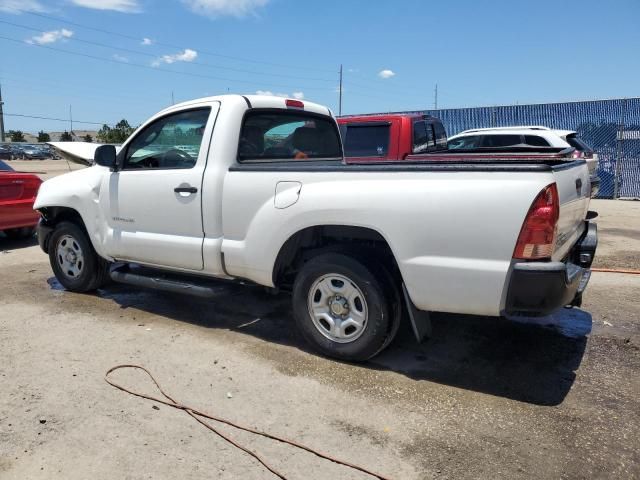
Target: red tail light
[(294, 103), (538, 234)]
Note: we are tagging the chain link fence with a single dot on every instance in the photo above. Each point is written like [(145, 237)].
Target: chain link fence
[(610, 127)]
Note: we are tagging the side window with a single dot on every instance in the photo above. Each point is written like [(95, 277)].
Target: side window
[(268, 135), (497, 141), (423, 138), (441, 135), (169, 142), (463, 143), (535, 141), (366, 140)]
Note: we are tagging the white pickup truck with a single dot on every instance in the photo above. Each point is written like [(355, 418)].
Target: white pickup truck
[(254, 188)]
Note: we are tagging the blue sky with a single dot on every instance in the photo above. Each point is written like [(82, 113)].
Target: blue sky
[(393, 52)]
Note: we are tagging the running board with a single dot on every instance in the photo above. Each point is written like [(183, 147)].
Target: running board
[(165, 282)]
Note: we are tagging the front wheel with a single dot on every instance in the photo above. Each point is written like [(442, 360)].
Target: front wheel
[(341, 309), (75, 263)]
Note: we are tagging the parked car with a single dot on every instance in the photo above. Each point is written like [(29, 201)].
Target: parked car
[(528, 136), (17, 194), (17, 151), (268, 199), (5, 152), (33, 152)]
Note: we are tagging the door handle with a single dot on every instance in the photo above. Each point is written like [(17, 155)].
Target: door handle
[(185, 190)]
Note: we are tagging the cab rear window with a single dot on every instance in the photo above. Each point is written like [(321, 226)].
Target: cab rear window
[(365, 140), (281, 135)]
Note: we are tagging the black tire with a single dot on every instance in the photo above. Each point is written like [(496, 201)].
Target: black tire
[(20, 233), (93, 271), (379, 324)]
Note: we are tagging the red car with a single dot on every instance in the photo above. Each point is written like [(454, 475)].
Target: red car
[(17, 193)]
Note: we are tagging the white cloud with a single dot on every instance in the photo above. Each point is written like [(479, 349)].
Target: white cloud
[(125, 6), (146, 41), (386, 73), (18, 6), (120, 58), (220, 8), (187, 55), (298, 95), (51, 37)]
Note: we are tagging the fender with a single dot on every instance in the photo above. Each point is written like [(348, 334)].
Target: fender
[(79, 191)]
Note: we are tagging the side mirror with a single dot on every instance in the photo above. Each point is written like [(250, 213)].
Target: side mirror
[(105, 155)]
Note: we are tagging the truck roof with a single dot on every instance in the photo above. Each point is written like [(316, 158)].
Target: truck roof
[(379, 117), (256, 101)]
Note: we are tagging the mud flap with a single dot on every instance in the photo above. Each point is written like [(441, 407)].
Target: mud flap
[(420, 320)]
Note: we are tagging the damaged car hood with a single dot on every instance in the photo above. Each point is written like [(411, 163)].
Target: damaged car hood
[(78, 152)]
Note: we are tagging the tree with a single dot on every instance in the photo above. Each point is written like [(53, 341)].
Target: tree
[(117, 134), (88, 138), (16, 136), (66, 137), (43, 137)]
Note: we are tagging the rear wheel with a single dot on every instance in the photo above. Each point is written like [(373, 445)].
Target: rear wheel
[(20, 233), (75, 263), (341, 308)]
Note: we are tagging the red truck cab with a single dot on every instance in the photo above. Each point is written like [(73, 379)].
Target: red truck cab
[(390, 137)]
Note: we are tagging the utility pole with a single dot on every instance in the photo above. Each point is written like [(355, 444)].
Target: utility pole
[(340, 93), (1, 117), (172, 100), (435, 98), (70, 120)]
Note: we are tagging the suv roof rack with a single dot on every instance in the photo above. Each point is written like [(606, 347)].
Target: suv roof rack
[(520, 127)]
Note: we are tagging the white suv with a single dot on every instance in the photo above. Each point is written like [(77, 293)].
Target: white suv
[(523, 136)]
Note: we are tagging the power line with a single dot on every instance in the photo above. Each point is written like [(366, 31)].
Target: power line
[(148, 54), (204, 52), (65, 120), (156, 69)]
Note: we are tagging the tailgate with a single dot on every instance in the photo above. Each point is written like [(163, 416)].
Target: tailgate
[(574, 192)]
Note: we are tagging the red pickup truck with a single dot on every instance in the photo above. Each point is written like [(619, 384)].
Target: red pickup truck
[(415, 137)]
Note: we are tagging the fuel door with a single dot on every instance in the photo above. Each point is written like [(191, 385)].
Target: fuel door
[(287, 193)]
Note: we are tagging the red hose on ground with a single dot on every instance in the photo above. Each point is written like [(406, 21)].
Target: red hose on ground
[(198, 416), (616, 270)]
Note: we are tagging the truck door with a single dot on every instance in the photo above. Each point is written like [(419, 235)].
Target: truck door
[(152, 204)]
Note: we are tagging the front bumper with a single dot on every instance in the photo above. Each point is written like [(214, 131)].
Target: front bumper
[(43, 232), (539, 288)]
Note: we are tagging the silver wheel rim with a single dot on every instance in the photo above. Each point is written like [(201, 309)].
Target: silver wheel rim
[(337, 308), (70, 257)]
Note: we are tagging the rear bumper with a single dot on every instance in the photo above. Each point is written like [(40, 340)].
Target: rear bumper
[(539, 288), (43, 231)]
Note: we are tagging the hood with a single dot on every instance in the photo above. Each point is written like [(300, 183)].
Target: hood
[(78, 152)]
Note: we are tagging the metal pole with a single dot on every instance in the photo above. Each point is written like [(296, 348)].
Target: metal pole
[(620, 135), (70, 121), (340, 93), (435, 101), (1, 117)]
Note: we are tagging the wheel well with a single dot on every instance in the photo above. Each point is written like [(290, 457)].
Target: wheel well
[(361, 242), (54, 215)]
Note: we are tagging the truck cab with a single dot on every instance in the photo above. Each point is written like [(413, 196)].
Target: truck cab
[(386, 138)]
